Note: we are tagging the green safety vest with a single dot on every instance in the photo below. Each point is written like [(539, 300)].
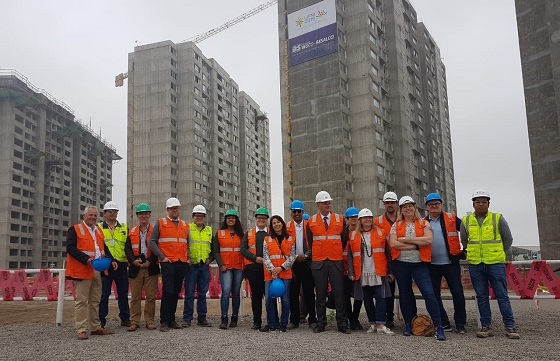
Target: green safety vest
[(484, 242), (116, 241), (200, 243)]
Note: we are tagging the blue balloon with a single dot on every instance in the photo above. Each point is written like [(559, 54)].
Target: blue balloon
[(276, 288), (101, 264)]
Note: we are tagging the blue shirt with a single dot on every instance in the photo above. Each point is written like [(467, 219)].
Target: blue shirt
[(440, 255)]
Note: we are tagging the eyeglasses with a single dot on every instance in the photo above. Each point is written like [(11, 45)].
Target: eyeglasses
[(199, 215), (174, 208), (143, 213), (262, 218), (435, 204), (296, 211)]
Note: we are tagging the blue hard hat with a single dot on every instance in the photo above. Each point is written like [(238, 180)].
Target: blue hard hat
[(305, 216), (101, 264), (297, 205), (276, 288), (351, 212), (433, 197)]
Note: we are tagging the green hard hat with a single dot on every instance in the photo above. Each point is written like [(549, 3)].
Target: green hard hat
[(231, 212), (143, 207), (262, 212)]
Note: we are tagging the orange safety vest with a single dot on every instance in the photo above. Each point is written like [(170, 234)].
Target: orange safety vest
[(230, 249), (85, 243), (419, 224), (278, 254), (452, 236), (291, 229), (327, 243), (383, 223), (134, 235), (251, 245), (172, 240), (378, 240)]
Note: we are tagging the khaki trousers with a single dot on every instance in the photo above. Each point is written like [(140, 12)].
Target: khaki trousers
[(86, 307), (148, 283)]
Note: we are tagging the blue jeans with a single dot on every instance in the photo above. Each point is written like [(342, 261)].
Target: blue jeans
[(272, 310), (376, 313), (495, 274), (404, 273), (231, 283), (198, 276), (120, 277), (452, 274)]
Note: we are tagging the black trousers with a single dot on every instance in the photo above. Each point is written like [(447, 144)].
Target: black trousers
[(391, 303), (254, 273), (323, 272), (352, 312), (302, 278), (172, 276)]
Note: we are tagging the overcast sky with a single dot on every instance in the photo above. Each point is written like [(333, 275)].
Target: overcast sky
[(74, 49)]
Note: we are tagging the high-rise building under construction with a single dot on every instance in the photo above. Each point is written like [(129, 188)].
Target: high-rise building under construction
[(364, 104), (194, 135)]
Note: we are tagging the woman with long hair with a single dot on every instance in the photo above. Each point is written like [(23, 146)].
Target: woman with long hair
[(226, 246), (410, 239), (279, 253)]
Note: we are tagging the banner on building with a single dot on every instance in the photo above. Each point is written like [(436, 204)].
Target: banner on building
[(312, 32)]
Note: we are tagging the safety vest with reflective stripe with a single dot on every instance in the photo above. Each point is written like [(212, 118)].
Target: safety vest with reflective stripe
[(173, 238), (452, 236), (200, 244), (327, 243), (251, 245), (419, 225), (484, 243), (85, 243), (230, 249), (291, 229), (378, 240), (134, 235), (115, 242), (383, 222), (278, 255)]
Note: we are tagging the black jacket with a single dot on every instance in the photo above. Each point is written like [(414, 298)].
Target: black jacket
[(153, 268)]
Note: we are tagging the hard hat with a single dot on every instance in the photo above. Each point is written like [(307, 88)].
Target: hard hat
[(351, 212), (231, 212), (365, 213), (390, 197), (199, 209), (480, 193), (101, 264), (262, 212), (433, 197), (143, 207), (172, 202), (276, 288), (305, 216), (297, 205), (406, 200), (110, 206), (323, 196)]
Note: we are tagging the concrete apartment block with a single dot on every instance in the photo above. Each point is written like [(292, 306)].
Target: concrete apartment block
[(370, 118), (538, 26), (193, 135), (52, 167)]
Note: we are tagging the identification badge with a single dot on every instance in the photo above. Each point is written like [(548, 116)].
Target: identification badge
[(112, 242)]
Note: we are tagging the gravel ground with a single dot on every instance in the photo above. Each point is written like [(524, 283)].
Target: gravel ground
[(39, 341)]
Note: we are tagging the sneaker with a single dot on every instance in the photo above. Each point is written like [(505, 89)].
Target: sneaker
[(461, 329), (371, 329), (291, 326), (384, 330), (440, 335), (407, 330), (447, 328), (186, 323), (512, 334), (485, 332)]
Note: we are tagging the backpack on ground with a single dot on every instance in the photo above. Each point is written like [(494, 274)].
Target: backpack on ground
[(422, 325)]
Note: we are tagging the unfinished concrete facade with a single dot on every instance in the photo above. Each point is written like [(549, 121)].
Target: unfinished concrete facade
[(370, 118), (52, 167), (193, 135), (538, 25)]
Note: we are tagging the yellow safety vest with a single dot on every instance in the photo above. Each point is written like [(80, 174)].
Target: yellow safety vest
[(484, 242), (116, 241), (200, 244)]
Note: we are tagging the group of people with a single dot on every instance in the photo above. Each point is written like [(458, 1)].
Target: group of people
[(319, 259)]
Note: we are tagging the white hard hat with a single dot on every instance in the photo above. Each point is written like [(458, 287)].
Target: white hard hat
[(365, 213), (323, 196), (480, 193), (406, 200), (172, 202), (111, 206), (390, 197), (199, 209)]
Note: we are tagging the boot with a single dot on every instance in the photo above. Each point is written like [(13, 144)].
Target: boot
[(223, 324), (233, 322)]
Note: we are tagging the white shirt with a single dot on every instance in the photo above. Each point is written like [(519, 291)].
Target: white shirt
[(143, 241), (299, 238), (92, 232)]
